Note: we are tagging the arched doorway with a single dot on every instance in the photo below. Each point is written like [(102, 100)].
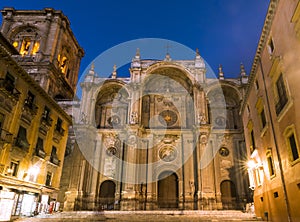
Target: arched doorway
[(107, 195), (167, 190), (228, 193)]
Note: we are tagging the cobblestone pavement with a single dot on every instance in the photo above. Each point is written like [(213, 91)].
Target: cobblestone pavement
[(149, 216)]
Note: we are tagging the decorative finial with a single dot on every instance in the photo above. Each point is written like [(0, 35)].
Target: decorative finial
[(243, 72), (114, 73), (137, 54), (168, 57), (221, 73), (135, 62), (197, 52), (90, 76)]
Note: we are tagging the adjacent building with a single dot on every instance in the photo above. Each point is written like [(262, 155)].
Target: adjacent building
[(39, 62), (270, 116)]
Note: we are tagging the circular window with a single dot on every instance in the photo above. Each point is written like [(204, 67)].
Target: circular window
[(224, 151), (168, 117), (167, 154)]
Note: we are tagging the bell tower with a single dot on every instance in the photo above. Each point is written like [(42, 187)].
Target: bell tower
[(48, 49)]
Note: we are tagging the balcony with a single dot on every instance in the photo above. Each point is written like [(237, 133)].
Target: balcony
[(9, 95), (20, 148), (40, 152), (5, 137), (58, 134), (54, 160), (22, 143), (46, 123), (29, 112)]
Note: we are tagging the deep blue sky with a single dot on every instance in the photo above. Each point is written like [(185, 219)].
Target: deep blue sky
[(225, 31)]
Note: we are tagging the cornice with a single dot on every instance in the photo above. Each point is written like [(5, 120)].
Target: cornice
[(261, 45)]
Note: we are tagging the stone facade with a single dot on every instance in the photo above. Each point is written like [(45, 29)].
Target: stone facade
[(270, 116), (166, 137), (33, 127)]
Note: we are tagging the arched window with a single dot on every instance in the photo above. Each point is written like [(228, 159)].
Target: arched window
[(111, 107), (27, 41), (228, 193)]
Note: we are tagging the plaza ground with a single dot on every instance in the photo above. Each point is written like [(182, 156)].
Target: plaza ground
[(208, 216)]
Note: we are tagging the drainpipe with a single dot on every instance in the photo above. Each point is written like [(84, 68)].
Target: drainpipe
[(287, 205)]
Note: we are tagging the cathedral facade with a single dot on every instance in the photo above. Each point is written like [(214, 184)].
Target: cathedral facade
[(166, 137)]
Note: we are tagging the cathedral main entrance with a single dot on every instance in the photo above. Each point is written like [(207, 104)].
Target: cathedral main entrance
[(168, 190)]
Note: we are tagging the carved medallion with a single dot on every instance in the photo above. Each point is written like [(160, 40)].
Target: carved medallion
[(223, 151), (111, 151), (167, 154), (168, 117)]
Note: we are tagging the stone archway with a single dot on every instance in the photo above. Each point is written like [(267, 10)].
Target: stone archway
[(107, 195), (168, 190), (228, 193)]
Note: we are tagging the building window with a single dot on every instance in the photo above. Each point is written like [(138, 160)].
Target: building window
[(270, 164), (292, 143), (29, 101), (282, 95), (252, 141), (27, 42), (256, 85), (259, 176), (58, 126), (293, 146), (28, 47), (9, 82), (46, 113), (48, 179), (261, 112), (46, 116), (21, 140), (63, 63), (271, 47), (35, 49), (39, 150), (251, 178), (263, 118), (248, 110), (25, 47), (13, 170), (53, 157)]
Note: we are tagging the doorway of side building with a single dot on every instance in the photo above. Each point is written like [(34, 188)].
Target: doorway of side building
[(168, 190), (107, 195), (228, 193)]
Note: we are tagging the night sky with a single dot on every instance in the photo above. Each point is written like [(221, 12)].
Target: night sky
[(225, 31)]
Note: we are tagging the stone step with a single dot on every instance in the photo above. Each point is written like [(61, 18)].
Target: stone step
[(130, 216)]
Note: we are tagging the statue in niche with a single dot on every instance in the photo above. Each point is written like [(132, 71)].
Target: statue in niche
[(192, 187), (134, 118), (201, 119)]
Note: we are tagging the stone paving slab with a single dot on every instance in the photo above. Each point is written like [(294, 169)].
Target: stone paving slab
[(149, 216)]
